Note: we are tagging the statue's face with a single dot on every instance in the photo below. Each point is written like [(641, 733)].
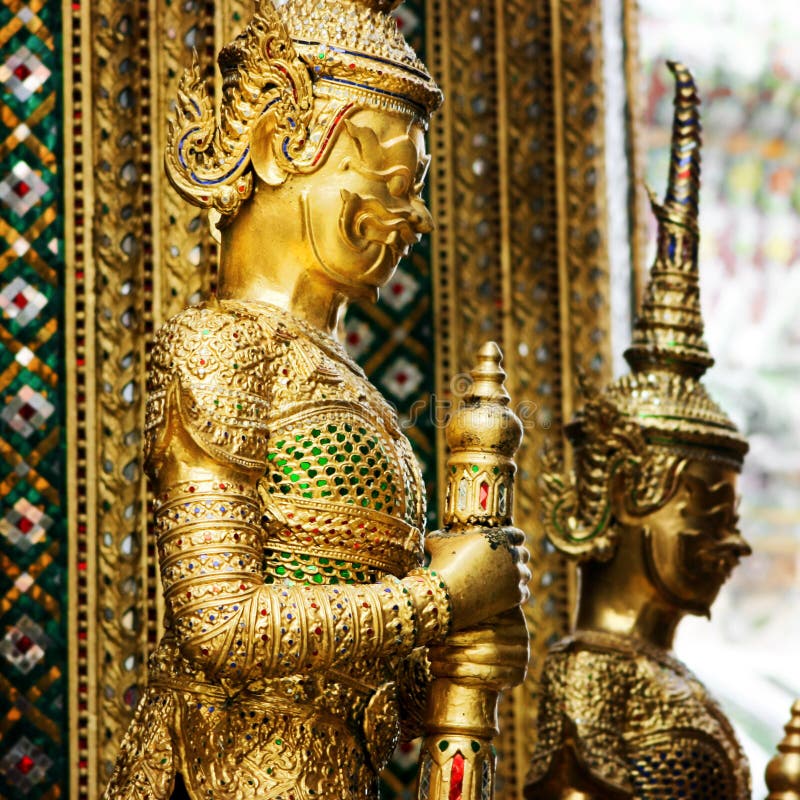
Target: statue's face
[(692, 543), (362, 207)]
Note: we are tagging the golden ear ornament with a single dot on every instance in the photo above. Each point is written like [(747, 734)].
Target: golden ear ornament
[(287, 88), (208, 163), (612, 455)]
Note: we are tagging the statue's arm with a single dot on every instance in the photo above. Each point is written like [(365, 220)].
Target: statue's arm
[(226, 617), (413, 683)]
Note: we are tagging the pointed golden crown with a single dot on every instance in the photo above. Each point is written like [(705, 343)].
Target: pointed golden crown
[(668, 356), (645, 424), (348, 53)]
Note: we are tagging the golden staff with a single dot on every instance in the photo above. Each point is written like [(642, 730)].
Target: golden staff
[(458, 758)]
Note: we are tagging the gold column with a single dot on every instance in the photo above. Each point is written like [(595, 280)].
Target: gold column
[(182, 243), (519, 252), (136, 255), (107, 321)]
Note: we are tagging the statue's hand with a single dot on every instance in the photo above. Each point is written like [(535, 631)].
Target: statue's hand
[(495, 652), (485, 571)]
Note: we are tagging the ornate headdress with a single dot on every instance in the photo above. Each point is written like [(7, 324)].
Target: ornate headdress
[(645, 424), (349, 52)]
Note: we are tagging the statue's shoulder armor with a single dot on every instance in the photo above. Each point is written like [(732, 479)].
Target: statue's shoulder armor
[(210, 373), (585, 693), (577, 665)]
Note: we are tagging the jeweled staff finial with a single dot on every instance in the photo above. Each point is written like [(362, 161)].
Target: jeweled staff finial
[(457, 758), (483, 436), (669, 332)]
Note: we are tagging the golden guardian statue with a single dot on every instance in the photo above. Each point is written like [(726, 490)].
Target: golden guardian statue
[(650, 515), (289, 505)]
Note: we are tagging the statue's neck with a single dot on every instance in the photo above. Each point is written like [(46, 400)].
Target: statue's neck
[(619, 597), (263, 260)]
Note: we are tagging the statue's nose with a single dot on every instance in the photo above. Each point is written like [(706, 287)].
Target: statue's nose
[(421, 218)]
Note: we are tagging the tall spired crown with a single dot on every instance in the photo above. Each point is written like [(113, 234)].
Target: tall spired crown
[(645, 424), (296, 72), (669, 331), (668, 355)]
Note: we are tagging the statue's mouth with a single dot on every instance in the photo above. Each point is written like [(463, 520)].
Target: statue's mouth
[(366, 220), (719, 559)]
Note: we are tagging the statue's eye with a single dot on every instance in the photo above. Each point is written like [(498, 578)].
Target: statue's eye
[(398, 185)]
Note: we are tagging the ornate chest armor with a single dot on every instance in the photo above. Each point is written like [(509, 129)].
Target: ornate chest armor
[(287, 684), (640, 721)]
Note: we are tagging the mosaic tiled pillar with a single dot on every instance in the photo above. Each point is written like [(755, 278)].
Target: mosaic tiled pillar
[(33, 541)]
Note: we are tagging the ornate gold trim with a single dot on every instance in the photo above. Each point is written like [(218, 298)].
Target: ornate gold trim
[(638, 210), (182, 241), (121, 270), (80, 488)]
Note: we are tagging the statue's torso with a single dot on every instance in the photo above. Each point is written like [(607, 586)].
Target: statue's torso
[(341, 501), (641, 720)]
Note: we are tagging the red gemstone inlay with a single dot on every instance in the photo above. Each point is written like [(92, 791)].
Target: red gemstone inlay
[(456, 777), (484, 494), (21, 189), (25, 525), (20, 301), (24, 644), (26, 764), (22, 72)]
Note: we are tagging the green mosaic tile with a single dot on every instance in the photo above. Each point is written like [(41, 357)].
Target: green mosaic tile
[(33, 536)]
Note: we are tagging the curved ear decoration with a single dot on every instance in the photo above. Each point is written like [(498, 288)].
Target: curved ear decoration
[(610, 451), (191, 159), (564, 527), (262, 151), (209, 163)]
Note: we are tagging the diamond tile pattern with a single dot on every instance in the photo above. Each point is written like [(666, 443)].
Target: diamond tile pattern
[(25, 766), (33, 537), (19, 300), (23, 74), (22, 189)]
